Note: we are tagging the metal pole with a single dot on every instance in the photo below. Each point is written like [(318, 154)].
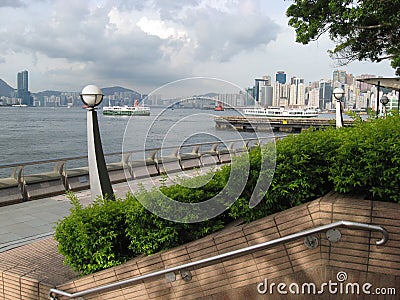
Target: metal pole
[(98, 175), (398, 102), (339, 116), (377, 100)]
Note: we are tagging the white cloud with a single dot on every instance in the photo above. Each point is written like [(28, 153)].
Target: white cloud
[(144, 44), (160, 29), (121, 22)]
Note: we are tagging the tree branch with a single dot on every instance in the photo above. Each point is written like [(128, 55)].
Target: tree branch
[(370, 26)]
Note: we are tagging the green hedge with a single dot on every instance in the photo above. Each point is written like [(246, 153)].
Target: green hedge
[(93, 238), (368, 160), (363, 159)]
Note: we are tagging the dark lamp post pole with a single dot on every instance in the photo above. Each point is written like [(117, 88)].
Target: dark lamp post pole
[(100, 184)]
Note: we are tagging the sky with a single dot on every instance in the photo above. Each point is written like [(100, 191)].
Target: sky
[(143, 45)]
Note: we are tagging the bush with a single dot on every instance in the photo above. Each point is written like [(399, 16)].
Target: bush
[(301, 173), (368, 160), (149, 233), (93, 238), (302, 168), (362, 159)]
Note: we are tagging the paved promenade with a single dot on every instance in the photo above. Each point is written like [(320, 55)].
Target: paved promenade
[(26, 222)]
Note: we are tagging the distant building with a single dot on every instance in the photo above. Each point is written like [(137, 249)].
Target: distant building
[(313, 98), (260, 89), (231, 100), (250, 96), (364, 87), (22, 81), (280, 77), (325, 95), (281, 94), (264, 91), (297, 92), (23, 89), (339, 78)]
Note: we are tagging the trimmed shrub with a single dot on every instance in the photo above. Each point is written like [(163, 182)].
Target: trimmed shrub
[(362, 159), (149, 233), (93, 238), (368, 160)]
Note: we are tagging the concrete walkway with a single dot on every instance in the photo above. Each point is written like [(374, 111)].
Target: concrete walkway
[(30, 221)]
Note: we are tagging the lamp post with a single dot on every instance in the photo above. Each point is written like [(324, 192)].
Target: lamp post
[(100, 183), (384, 101), (338, 93)]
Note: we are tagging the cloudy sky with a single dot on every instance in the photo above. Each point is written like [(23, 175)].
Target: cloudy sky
[(138, 44)]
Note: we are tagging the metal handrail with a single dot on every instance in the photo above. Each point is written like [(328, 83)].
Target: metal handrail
[(36, 162), (229, 255)]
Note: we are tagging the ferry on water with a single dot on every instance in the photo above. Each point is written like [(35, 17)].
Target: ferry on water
[(219, 107), (280, 112), (19, 104), (134, 110)]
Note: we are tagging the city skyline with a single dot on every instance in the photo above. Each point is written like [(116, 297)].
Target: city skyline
[(145, 45), (282, 92), (280, 75)]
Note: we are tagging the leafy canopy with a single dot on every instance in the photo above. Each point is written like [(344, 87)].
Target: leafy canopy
[(361, 30)]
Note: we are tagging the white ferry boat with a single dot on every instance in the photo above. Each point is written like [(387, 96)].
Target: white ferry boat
[(135, 110), (19, 104), (280, 112)]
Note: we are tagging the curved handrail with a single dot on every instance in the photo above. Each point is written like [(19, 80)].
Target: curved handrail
[(229, 255), (35, 162)]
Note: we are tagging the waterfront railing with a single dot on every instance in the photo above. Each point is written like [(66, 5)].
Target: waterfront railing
[(44, 178)]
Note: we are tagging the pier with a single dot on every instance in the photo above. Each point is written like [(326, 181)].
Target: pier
[(241, 123)]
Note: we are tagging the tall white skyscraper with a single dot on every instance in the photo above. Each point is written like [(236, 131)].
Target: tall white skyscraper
[(297, 93)]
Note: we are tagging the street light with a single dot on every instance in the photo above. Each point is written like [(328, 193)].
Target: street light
[(384, 101), (100, 183), (338, 93)]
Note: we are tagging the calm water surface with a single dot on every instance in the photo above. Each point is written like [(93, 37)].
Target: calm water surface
[(35, 133)]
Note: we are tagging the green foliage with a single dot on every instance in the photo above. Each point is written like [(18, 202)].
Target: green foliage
[(361, 29), (147, 232), (91, 238), (363, 159), (302, 168), (356, 118), (368, 160), (301, 174)]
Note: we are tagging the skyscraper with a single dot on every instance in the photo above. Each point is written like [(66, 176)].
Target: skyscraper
[(22, 88), (325, 95), (339, 76), (259, 85), (22, 81), (297, 92), (280, 77), (281, 94)]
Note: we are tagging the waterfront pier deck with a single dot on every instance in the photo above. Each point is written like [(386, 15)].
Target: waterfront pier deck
[(276, 124)]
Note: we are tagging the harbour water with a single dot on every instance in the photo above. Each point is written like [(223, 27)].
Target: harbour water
[(34, 133)]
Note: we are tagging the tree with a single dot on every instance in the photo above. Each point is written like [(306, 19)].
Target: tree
[(361, 30)]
